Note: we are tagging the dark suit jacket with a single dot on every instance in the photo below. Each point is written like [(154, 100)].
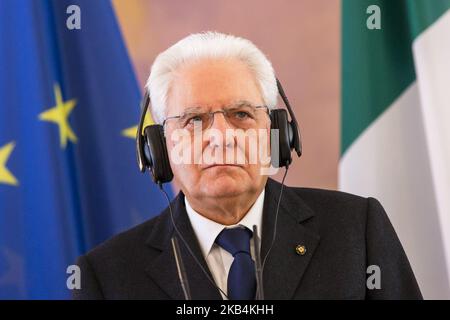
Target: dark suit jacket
[(343, 234)]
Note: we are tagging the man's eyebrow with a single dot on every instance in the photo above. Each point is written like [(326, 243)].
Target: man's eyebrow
[(239, 103), (193, 109)]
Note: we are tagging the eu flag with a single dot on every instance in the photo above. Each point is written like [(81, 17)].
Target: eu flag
[(68, 174)]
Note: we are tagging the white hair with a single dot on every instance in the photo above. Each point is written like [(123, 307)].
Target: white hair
[(208, 45)]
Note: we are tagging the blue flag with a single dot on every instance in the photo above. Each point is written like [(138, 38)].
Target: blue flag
[(68, 173)]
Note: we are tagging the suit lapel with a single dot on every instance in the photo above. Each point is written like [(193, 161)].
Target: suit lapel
[(285, 267), (163, 268)]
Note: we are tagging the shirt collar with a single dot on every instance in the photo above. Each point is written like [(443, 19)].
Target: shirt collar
[(207, 230)]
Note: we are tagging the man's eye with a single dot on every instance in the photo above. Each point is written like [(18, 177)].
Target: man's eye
[(242, 115), (196, 118), (193, 120)]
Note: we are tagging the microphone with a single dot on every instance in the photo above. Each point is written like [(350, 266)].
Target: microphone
[(180, 269), (258, 269)]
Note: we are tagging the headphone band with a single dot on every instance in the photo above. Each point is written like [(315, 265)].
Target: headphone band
[(297, 145), (139, 137)]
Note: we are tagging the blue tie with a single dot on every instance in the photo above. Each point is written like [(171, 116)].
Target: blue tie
[(241, 278)]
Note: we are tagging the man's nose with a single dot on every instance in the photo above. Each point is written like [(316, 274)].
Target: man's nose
[(220, 122), (218, 136)]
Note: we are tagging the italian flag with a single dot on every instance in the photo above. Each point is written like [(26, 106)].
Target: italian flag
[(396, 125)]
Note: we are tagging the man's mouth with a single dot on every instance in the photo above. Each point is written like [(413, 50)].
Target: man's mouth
[(223, 165)]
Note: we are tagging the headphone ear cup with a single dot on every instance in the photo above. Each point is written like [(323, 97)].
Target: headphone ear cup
[(156, 154), (280, 122)]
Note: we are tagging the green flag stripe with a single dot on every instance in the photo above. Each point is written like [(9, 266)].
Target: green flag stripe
[(423, 13), (377, 65)]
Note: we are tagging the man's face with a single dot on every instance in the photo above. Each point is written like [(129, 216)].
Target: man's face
[(214, 85)]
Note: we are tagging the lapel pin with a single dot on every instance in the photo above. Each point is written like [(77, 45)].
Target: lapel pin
[(300, 250)]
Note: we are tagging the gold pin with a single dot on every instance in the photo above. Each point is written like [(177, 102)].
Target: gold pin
[(300, 249)]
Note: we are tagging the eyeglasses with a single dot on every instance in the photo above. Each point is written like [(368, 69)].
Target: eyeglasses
[(242, 116)]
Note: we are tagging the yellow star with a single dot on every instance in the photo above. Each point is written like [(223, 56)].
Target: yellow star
[(6, 176), (59, 114), (131, 132)]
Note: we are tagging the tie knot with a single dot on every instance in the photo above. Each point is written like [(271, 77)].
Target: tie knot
[(235, 240)]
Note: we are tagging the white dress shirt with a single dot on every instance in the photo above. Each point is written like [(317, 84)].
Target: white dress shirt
[(218, 259)]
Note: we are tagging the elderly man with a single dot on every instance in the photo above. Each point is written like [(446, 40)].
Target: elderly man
[(314, 244)]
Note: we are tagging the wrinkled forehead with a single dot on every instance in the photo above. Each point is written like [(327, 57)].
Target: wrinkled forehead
[(212, 84), (234, 104)]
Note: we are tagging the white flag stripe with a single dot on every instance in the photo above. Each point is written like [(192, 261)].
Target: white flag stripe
[(389, 161), (432, 64)]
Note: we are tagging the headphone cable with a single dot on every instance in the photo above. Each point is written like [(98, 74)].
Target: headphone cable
[(186, 244), (275, 224)]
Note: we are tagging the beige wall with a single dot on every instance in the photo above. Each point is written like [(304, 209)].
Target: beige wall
[(300, 37)]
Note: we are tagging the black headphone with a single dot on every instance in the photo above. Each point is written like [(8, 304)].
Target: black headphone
[(151, 148)]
